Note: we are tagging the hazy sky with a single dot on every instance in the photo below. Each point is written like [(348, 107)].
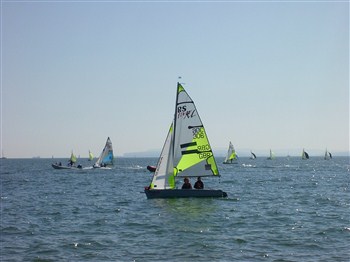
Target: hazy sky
[(262, 74)]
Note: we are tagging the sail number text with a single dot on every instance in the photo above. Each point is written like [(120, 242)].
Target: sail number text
[(182, 112)]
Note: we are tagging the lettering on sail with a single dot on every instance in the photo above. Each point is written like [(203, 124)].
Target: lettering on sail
[(182, 112), (204, 151)]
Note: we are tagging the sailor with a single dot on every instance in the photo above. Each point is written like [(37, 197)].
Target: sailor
[(199, 184), (187, 184)]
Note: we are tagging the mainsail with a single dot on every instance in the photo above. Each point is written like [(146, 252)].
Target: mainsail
[(186, 151), (231, 154), (106, 157)]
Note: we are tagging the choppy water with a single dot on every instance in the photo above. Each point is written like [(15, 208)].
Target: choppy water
[(279, 210)]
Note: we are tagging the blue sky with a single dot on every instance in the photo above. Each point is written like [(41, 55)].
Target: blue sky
[(262, 74)]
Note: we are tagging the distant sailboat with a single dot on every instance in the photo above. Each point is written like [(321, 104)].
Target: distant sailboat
[(106, 158), (73, 159), (231, 156), (304, 155), (71, 163), (91, 156), (253, 156), (272, 155), (186, 153), (327, 155)]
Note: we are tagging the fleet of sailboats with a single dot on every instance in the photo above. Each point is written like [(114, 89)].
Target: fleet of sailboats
[(186, 154)]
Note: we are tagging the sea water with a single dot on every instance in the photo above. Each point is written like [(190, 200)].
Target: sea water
[(285, 209)]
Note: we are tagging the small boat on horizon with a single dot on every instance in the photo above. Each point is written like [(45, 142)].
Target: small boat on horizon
[(304, 155), (271, 156), (231, 156), (71, 163), (252, 155), (327, 155)]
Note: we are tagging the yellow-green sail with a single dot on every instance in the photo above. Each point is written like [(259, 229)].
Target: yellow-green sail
[(91, 156), (193, 155), (73, 158)]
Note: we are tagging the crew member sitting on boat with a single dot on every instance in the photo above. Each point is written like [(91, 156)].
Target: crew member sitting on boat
[(199, 184), (187, 184)]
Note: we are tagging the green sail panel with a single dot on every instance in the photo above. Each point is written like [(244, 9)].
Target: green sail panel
[(73, 158), (193, 155)]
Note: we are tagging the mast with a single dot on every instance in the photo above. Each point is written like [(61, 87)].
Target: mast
[(175, 116)]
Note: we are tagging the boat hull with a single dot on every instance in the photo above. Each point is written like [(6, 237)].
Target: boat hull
[(183, 193), (151, 168), (64, 167)]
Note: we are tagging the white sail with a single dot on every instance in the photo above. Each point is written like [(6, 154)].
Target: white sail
[(163, 177), (106, 158), (272, 155)]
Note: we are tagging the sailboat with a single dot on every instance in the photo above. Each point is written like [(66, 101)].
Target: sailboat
[(71, 163), (304, 155), (272, 155), (327, 155), (91, 156), (253, 156), (186, 153), (106, 158), (231, 156)]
